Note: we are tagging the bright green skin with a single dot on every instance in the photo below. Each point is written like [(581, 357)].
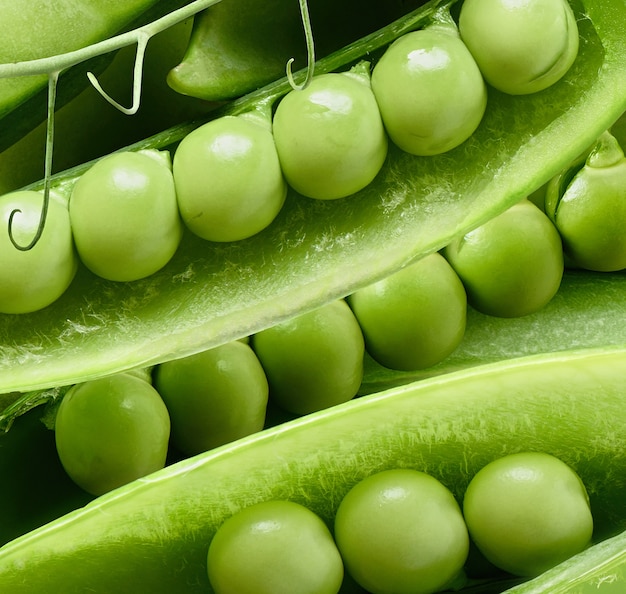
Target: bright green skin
[(274, 547), (512, 265), (430, 92), (313, 361), (413, 318), (330, 136), (111, 431), (125, 217), (213, 397), (153, 535), (527, 512), (401, 532), (591, 218), (520, 47), (33, 279), (228, 179)]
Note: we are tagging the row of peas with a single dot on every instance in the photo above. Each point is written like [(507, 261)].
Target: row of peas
[(410, 320), (398, 531), (402, 531), (228, 179)]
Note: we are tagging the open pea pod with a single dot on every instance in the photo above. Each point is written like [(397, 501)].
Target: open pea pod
[(316, 251), (153, 534)]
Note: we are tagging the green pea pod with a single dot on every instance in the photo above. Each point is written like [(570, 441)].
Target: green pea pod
[(314, 251), (153, 534), (240, 45), (62, 26)]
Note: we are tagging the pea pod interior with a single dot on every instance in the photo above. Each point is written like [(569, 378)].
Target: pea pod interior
[(152, 535), (315, 252)]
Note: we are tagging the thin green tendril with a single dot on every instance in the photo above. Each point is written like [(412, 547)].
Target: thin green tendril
[(142, 42), (310, 46), (53, 78), (54, 65)]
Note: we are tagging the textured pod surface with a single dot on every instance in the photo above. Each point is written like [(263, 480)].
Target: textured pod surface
[(152, 535)]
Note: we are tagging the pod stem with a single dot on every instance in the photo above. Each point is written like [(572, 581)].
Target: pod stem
[(310, 47), (606, 153), (260, 114), (442, 21)]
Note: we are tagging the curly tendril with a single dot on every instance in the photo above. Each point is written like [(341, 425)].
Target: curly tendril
[(53, 78), (54, 65), (310, 46)]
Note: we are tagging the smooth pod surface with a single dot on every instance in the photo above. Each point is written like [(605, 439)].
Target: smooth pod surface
[(153, 535)]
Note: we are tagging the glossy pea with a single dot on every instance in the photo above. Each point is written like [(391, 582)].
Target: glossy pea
[(124, 215), (313, 361), (111, 431), (274, 547), (228, 179), (528, 512), (213, 397), (589, 209), (33, 279), (401, 531), (520, 47), (512, 265), (330, 136), (415, 317), (430, 92)]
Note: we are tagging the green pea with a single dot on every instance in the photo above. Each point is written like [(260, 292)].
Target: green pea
[(414, 318), (401, 532), (228, 179), (33, 279), (431, 94), (313, 361), (111, 431), (527, 512), (520, 47), (124, 215), (512, 265), (274, 547), (329, 136), (589, 210), (213, 397)]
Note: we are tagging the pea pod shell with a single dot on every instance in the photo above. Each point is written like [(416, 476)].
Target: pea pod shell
[(152, 535), (314, 253)]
